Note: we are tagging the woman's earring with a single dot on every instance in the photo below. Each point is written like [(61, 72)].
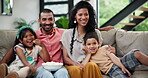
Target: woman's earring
[(75, 21)]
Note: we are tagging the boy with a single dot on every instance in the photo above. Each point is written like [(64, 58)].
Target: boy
[(108, 62)]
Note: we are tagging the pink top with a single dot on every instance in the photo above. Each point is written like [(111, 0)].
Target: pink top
[(52, 43)]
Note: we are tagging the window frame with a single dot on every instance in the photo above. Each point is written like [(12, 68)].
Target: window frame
[(69, 2)]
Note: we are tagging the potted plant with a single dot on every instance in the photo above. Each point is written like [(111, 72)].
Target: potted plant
[(62, 22), (22, 22)]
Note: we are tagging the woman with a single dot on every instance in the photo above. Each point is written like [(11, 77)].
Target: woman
[(82, 20)]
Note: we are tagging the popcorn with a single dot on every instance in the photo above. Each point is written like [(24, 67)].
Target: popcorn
[(52, 66), (52, 63)]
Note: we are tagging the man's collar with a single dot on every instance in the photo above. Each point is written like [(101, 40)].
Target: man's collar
[(40, 31)]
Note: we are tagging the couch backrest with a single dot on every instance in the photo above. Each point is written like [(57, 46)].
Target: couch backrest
[(124, 41), (127, 40), (7, 38), (109, 37)]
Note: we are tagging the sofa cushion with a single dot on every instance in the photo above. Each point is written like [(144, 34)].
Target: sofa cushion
[(136, 74), (6, 41), (109, 37), (128, 40)]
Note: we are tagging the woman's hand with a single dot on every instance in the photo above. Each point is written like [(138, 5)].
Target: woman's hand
[(79, 65), (111, 49)]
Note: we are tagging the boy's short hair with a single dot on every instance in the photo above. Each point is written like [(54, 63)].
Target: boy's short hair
[(90, 35)]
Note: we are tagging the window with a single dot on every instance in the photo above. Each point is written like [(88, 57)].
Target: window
[(59, 7)]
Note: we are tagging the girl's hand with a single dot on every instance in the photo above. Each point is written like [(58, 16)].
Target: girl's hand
[(126, 71), (33, 69), (37, 42)]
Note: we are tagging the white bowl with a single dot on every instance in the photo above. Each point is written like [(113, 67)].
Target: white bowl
[(52, 66)]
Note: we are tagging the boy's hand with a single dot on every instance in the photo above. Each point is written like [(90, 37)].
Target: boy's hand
[(126, 71), (87, 51)]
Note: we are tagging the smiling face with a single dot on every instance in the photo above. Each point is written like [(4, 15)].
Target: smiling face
[(82, 17), (28, 39), (92, 45), (47, 21)]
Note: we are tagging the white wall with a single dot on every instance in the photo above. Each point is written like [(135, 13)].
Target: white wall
[(96, 7), (27, 9)]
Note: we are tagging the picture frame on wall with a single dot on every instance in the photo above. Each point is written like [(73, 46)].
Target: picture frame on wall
[(7, 6)]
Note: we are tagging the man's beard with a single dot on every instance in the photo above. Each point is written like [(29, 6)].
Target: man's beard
[(47, 29)]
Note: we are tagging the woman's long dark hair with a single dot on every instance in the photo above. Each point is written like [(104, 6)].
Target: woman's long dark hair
[(91, 25), (21, 36)]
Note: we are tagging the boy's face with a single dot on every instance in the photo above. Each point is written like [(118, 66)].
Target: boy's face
[(92, 45)]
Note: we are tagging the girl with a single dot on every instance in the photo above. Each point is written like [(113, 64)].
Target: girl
[(108, 62), (82, 20), (27, 49)]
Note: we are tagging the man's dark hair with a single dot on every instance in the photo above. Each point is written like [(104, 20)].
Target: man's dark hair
[(46, 11)]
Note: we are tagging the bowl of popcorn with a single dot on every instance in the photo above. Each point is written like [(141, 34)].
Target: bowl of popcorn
[(52, 66)]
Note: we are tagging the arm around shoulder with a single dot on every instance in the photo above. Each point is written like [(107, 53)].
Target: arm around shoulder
[(7, 57), (106, 28)]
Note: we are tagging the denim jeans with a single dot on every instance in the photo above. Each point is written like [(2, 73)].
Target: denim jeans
[(43, 73)]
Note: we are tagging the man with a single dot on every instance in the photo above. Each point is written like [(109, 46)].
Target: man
[(50, 37)]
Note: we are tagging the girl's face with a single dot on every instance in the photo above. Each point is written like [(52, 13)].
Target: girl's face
[(82, 17), (92, 45), (28, 39)]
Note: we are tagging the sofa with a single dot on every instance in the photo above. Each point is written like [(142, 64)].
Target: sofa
[(122, 40)]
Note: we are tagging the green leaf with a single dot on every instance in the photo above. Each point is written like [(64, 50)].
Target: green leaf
[(22, 22), (62, 22)]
